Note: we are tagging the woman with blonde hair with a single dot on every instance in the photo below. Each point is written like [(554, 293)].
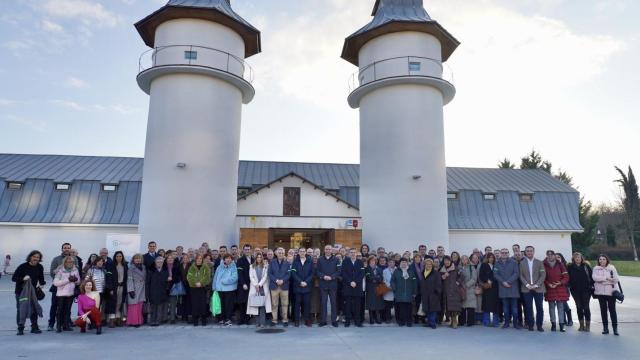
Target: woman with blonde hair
[(66, 278), (581, 287)]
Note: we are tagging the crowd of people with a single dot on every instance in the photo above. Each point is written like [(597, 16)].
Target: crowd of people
[(267, 287)]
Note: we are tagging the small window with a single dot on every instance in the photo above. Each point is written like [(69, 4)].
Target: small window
[(489, 196), (526, 197), (243, 191), (414, 66), (14, 185), (452, 195), (191, 55), (108, 187), (63, 187)]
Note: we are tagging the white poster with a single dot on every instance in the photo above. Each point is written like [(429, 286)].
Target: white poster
[(129, 244)]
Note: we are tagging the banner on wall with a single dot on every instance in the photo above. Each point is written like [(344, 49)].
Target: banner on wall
[(129, 244)]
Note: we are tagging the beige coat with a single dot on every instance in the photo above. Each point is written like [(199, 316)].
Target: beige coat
[(264, 282), (538, 275)]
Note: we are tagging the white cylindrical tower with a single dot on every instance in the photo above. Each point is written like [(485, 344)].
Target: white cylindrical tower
[(401, 92), (197, 80)]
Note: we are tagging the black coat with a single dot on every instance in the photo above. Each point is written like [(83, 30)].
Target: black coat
[(352, 272), (149, 261), (430, 291), (329, 267), (300, 273), (111, 275), (157, 286), (580, 279), (374, 278), (242, 295), (490, 297), (36, 273)]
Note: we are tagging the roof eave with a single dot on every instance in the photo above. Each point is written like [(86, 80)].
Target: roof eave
[(355, 42), (147, 26)]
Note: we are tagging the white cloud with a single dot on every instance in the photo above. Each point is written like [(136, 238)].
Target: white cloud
[(72, 105), (50, 26), (18, 44), (74, 82), (36, 125), (7, 102), (89, 13)]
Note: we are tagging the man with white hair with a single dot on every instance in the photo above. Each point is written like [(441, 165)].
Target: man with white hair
[(279, 285)]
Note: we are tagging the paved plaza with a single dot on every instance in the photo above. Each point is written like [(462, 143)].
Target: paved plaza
[(376, 342)]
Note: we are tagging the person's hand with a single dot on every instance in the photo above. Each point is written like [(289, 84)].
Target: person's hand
[(245, 287), (169, 278), (26, 278), (353, 284), (303, 284), (132, 294), (258, 289), (327, 278), (198, 284), (506, 284), (111, 292)]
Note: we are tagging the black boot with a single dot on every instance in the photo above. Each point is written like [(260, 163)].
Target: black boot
[(605, 329), (569, 318), (35, 329), (615, 329), (99, 330), (204, 321), (562, 328), (553, 326), (20, 331)]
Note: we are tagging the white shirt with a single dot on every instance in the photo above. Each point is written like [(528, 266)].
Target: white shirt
[(530, 263)]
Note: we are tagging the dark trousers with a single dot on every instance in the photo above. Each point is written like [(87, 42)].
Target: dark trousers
[(353, 309), (331, 295), (33, 317), (510, 310), (227, 300), (53, 310), (582, 301), (529, 298), (302, 301), (386, 313), (608, 303), (199, 302), (64, 311), (403, 314), (470, 316), (241, 307)]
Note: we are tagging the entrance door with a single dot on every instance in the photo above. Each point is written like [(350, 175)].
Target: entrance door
[(296, 238)]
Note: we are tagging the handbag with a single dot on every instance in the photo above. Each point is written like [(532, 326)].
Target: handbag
[(39, 293), (382, 289), (257, 301), (618, 294), (216, 304), (178, 289), (486, 286)]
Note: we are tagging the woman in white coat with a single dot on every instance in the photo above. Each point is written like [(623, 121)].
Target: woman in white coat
[(258, 273)]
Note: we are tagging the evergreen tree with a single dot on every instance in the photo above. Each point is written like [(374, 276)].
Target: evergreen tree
[(534, 161), (611, 235), (589, 221), (506, 164)]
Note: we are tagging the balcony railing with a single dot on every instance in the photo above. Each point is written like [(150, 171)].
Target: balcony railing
[(192, 55), (400, 67)]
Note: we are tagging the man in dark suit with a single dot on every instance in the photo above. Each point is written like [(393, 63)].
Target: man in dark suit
[(352, 276), (328, 271), (244, 281), (302, 275), (149, 259)]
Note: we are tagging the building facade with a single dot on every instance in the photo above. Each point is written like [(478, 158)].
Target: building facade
[(46, 200)]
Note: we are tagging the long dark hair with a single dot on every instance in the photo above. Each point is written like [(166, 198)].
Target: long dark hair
[(115, 255), (34, 252)]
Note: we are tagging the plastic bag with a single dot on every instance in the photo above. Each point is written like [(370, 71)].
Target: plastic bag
[(216, 305)]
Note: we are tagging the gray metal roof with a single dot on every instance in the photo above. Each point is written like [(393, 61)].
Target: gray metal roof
[(555, 205), (223, 6), (387, 11)]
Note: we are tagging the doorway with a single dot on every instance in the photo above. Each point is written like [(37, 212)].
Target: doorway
[(296, 238)]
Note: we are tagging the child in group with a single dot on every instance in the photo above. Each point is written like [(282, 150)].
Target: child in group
[(7, 263)]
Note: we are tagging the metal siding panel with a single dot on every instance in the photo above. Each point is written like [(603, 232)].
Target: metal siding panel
[(52, 207), (120, 203), (98, 216), (25, 200), (61, 206), (136, 210), (109, 209), (14, 201), (39, 197), (93, 196), (25, 168)]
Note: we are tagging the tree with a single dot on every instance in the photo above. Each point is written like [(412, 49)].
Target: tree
[(611, 235), (506, 164), (534, 161), (589, 221), (564, 177), (631, 204)]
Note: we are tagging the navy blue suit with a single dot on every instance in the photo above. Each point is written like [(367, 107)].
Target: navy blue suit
[(302, 273), (353, 272)]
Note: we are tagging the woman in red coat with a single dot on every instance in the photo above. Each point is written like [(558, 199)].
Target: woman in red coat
[(556, 281)]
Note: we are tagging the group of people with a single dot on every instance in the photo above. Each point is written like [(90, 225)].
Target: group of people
[(267, 287)]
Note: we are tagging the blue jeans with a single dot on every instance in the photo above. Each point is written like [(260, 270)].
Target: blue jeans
[(529, 298), (510, 310), (486, 318), (431, 317)]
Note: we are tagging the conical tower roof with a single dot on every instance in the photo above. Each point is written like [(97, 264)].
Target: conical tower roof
[(218, 11), (394, 16)]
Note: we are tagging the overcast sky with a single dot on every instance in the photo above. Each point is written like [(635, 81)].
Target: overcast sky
[(560, 76)]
